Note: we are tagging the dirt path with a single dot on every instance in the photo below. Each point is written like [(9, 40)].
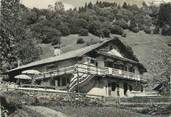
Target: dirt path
[(47, 112)]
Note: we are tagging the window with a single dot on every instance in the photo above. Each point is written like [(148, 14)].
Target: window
[(118, 93), (108, 64), (142, 88), (92, 61), (130, 88), (132, 69), (113, 86)]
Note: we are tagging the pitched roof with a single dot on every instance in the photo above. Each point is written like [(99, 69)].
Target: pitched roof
[(64, 56), (71, 54)]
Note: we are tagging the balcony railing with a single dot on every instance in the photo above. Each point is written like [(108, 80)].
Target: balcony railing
[(92, 69)]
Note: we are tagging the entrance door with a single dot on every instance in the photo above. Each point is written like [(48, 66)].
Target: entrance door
[(112, 89)]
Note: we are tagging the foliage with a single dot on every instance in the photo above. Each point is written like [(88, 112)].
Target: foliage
[(115, 29), (80, 41), (13, 34), (166, 30), (135, 29), (147, 30), (83, 32), (106, 32), (164, 14), (164, 18), (95, 28), (122, 23)]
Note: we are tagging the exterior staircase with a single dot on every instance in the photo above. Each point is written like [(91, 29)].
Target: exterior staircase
[(79, 80)]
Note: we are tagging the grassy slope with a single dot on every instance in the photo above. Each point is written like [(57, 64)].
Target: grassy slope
[(152, 51), (96, 112)]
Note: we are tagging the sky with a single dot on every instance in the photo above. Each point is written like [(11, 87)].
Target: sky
[(43, 4), (76, 3)]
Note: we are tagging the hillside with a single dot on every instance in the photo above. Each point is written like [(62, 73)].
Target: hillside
[(153, 52)]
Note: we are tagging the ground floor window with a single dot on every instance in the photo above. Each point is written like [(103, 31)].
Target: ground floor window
[(113, 86), (130, 88), (118, 93), (142, 88)]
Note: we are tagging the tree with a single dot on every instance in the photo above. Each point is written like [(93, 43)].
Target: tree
[(80, 41), (95, 28), (106, 32), (125, 5), (64, 29), (59, 6), (164, 18), (83, 32), (10, 31), (115, 29), (27, 50), (90, 5)]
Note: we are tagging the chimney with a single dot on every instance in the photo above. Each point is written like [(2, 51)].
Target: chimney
[(57, 50)]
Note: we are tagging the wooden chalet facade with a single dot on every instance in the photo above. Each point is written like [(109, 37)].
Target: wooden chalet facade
[(107, 68)]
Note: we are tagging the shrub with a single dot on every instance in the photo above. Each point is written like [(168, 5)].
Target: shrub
[(115, 29), (106, 32), (166, 30), (156, 30), (80, 41), (64, 29), (122, 23), (141, 26), (135, 29), (123, 35), (147, 30), (83, 32), (95, 28)]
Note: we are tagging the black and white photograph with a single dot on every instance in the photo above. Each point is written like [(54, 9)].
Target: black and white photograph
[(85, 58)]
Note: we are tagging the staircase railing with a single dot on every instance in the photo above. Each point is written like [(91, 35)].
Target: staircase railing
[(80, 81)]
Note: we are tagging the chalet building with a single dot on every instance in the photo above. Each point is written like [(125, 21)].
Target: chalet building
[(107, 68)]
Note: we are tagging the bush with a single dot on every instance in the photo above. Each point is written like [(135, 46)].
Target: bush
[(122, 23), (64, 29), (83, 32), (115, 29), (135, 29), (106, 32), (80, 41), (156, 30), (123, 35), (147, 30), (166, 30), (95, 28)]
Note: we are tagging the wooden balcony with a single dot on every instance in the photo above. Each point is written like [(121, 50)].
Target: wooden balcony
[(92, 69)]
